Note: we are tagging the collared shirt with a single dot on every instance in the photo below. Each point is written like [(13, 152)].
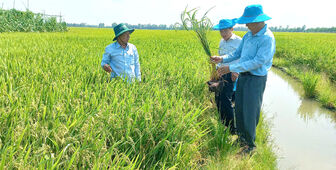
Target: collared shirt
[(124, 62), (255, 53), (228, 47)]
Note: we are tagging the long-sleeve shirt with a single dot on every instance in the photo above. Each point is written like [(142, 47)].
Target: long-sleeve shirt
[(124, 62), (228, 47), (255, 53)]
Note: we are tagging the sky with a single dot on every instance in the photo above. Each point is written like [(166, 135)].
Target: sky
[(294, 13)]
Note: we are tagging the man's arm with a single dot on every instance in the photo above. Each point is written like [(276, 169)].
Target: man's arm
[(137, 65), (229, 57), (264, 54), (106, 61), (235, 55)]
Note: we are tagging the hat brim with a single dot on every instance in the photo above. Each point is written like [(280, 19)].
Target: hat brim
[(130, 30), (219, 27), (246, 20)]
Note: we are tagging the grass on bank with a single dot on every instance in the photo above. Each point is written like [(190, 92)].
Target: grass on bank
[(316, 85)]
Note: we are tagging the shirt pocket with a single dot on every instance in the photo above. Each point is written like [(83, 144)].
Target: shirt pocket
[(130, 60), (116, 54)]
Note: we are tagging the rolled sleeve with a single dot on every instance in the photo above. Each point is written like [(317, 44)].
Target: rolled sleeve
[(106, 58), (233, 56)]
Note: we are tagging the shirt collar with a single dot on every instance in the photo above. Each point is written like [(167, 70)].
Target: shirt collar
[(117, 45), (262, 31), (233, 36)]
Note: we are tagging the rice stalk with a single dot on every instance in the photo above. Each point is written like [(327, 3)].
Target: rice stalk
[(201, 27)]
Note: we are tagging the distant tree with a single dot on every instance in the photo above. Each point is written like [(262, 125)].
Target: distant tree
[(114, 24), (303, 29), (175, 27), (101, 25)]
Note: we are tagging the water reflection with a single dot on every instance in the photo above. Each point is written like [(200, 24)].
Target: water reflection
[(304, 132), (309, 108)]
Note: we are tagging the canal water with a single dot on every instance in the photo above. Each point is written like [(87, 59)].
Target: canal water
[(303, 132)]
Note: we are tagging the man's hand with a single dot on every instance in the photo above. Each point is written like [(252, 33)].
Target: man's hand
[(234, 76), (107, 68), (223, 70), (214, 85), (216, 59)]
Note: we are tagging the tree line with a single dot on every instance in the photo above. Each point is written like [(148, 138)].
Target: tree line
[(176, 27)]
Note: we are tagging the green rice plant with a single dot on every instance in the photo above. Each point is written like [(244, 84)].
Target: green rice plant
[(227, 159), (326, 98), (26, 21), (221, 140), (309, 81), (58, 110), (326, 93), (309, 51), (201, 27)]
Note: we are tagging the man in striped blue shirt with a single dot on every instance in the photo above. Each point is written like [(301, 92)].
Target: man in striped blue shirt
[(121, 58), (225, 87), (256, 55)]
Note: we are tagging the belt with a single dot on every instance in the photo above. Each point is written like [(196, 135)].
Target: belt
[(246, 74)]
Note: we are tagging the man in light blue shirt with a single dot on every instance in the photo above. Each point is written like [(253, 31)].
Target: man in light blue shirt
[(121, 58), (256, 55), (224, 93)]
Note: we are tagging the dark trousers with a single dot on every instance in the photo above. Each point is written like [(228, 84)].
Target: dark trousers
[(249, 95), (223, 99)]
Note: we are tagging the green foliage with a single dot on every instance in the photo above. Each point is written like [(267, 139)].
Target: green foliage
[(58, 110), (19, 21), (314, 52), (264, 158), (309, 81), (201, 27)]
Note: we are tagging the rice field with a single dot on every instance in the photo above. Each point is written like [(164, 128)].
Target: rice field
[(59, 112), (311, 58)]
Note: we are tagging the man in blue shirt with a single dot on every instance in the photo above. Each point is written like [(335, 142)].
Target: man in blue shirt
[(224, 93), (256, 55), (121, 58)]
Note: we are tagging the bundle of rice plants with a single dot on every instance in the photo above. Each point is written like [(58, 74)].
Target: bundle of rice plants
[(201, 27)]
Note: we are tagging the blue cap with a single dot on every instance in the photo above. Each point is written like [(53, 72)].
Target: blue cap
[(225, 23), (253, 13)]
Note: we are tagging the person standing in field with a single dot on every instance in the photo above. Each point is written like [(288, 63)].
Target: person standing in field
[(256, 55), (224, 95), (121, 58)]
